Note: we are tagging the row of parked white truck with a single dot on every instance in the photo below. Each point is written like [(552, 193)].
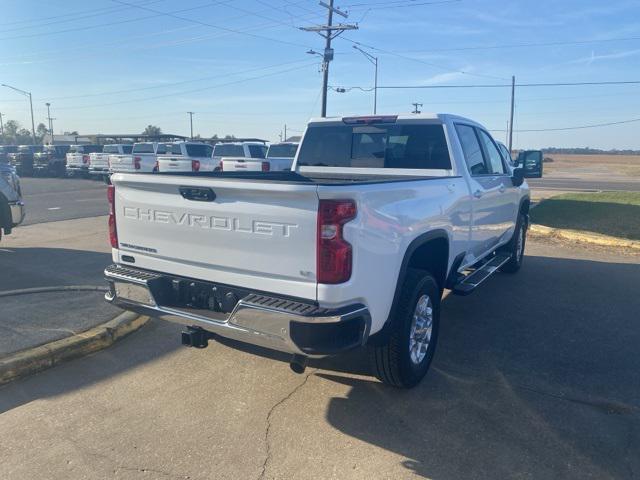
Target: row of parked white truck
[(184, 156)]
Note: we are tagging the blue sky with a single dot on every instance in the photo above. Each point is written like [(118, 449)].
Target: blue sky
[(109, 67)]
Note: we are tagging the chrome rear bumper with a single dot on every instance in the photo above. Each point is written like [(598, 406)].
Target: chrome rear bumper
[(17, 212), (276, 323)]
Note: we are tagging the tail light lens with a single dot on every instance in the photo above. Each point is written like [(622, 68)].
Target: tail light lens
[(266, 166), (334, 253), (195, 165), (85, 158), (136, 162), (113, 232), (156, 167)]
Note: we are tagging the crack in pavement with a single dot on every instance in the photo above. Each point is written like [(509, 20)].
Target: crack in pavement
[(268, 421)]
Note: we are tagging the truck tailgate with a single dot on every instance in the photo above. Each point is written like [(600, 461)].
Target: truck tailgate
[(257, 235)]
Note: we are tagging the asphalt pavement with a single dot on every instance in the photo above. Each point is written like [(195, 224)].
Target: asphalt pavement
[(53, 255), (55, 199), (584, 183), (536, 376)]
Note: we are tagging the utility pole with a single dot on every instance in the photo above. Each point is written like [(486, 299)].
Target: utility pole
[(416, 105), (1, 125), (50, 121), (374, 61), (513, 97), (285, 133), (329, 32), (191, 123)]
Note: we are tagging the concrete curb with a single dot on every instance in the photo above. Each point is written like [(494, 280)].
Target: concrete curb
[(580, 236), (67, 288), (36, 359)]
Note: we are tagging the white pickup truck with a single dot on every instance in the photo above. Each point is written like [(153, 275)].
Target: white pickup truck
[(143, 158), (352, 247), (99, 161), (187, 157), (241, 157), (78, 160), (279, 157)]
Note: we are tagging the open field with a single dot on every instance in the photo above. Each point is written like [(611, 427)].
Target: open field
[(616, 165)]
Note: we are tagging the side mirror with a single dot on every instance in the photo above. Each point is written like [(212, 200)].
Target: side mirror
[(518, 177)]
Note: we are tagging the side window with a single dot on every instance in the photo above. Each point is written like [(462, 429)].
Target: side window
[(493, 154), (471, 149)]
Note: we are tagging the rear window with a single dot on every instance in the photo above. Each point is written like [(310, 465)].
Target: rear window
[(228, 150), (175, 149), (92, 148), (376, 146), (282, 151), (258, 151), (110, 149), (199, 150), (162, 148), (127, 148), (143, 148)]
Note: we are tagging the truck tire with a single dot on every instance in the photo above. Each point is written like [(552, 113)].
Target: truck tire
[(515, 247), (403, 359)]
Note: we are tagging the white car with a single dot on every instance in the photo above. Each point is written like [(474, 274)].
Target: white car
[(187, 157), (142, 158), (352, 247), (237, 154), (78, 159), (99, 161), (279, 158)]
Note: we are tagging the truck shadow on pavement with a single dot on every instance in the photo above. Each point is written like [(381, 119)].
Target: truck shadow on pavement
[(536, 375)]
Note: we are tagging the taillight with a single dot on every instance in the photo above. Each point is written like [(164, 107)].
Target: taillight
[(113, 233), (85, 158), (266, 166), (334, 253), (136, 162), (195, 165), (156, 167)]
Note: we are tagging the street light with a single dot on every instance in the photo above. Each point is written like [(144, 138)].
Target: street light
[(374, 61), (26, 94), (50, 122)]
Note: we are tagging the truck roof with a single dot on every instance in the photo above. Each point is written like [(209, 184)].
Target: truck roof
[(392, 118)]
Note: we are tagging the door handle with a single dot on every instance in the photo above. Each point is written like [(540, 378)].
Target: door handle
[(477, 193), (198, 194)]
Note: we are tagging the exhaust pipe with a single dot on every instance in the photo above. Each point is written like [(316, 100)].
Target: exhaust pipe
[(298, 363)]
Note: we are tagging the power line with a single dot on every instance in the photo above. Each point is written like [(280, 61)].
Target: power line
[(526, 45), (64, 15), (398, 4), (501, 85), (205, 24), (74, 17), (234, 82), (580, 127), (424, 62), (119, 22)]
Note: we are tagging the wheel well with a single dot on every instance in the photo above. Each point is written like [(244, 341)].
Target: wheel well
[(432, 256)]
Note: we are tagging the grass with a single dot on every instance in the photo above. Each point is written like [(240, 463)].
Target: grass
[(609, 213)]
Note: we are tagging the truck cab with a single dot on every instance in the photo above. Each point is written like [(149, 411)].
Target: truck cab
[(187, 157), (22, 159), (78, 159), (51, 160), (240, 156)]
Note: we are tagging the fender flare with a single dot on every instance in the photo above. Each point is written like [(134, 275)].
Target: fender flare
[(416, 243), (5, 213)]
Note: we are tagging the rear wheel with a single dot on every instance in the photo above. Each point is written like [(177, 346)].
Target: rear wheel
[(515, 248), (404, 357)]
